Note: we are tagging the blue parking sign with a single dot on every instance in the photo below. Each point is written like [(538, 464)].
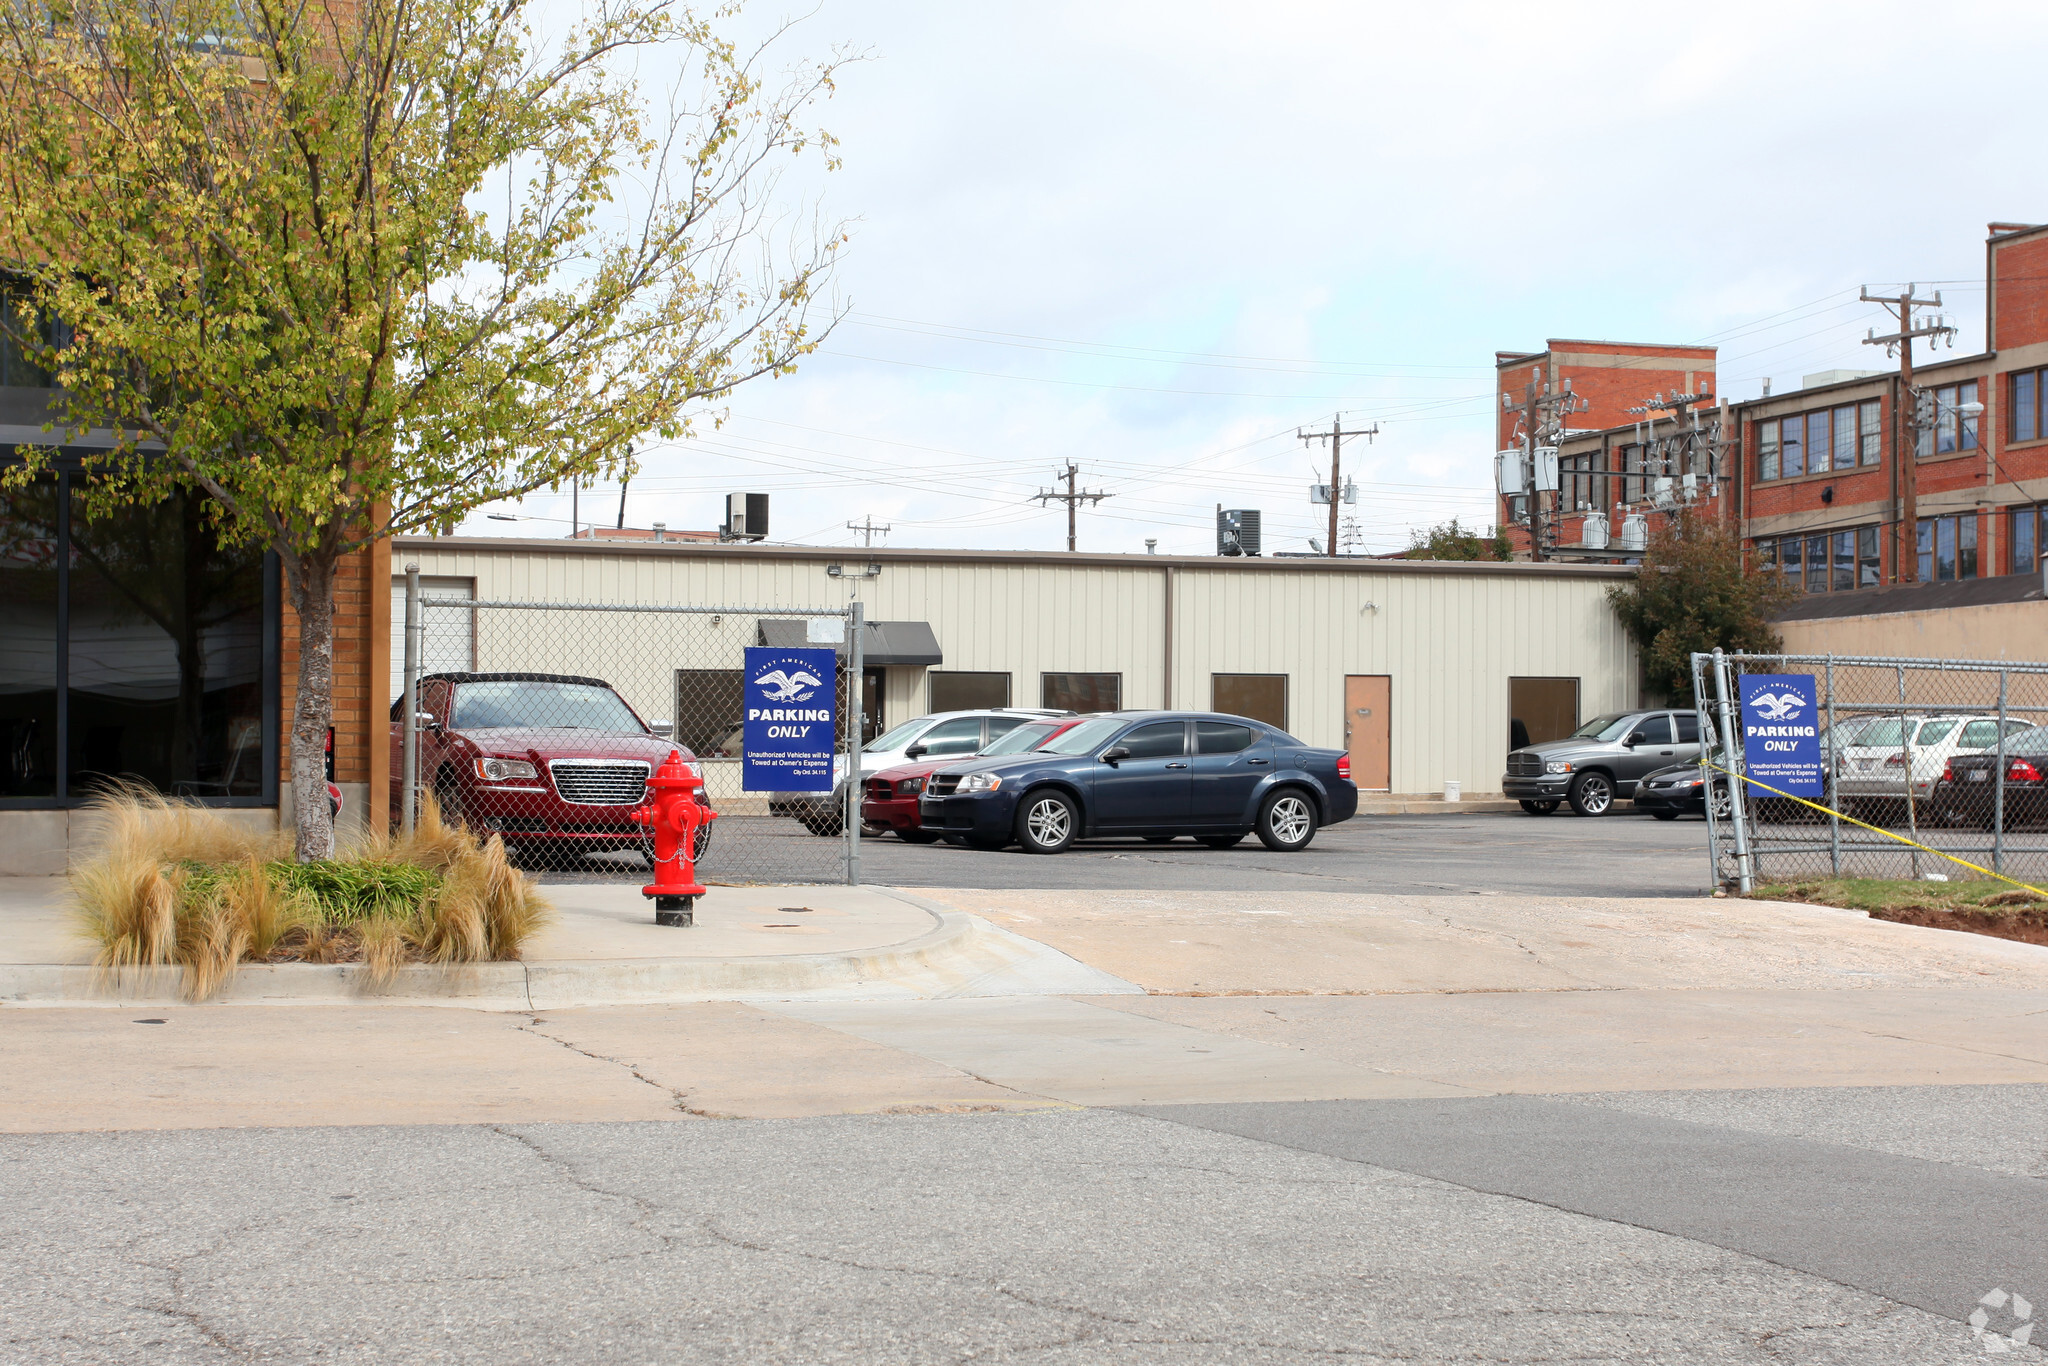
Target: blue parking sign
[(1781, 733), (791, 701)]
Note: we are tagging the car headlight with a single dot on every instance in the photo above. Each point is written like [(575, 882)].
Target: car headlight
[(909, 787), (499, 770), (980, 782), (1558, 766)]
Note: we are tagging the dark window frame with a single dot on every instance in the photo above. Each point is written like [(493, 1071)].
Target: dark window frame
[(933, 685), (1851, 551), (1286, 697), (2025, 422), (1045, 689), (66, 464)]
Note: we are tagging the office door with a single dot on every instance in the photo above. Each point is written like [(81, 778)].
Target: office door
[(1368, 730)]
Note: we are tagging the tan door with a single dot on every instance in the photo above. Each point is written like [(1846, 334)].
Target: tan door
[(1368, 731)]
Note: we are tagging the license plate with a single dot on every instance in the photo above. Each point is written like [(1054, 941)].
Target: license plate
[(1978, 775), (1866, 764)]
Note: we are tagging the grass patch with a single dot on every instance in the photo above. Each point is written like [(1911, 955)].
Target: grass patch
[(178, 884), (1979, 906)]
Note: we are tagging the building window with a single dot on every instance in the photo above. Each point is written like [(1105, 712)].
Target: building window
[(1869, 430), (1952, 431), (1833, 562), (1948, 548), (1792, 433), (1813, 443), (1576, 489), (957, 690), (2028, 524), (1081, 692), (1767, 450), (1263, 697), (2029, 387), (135, 647)]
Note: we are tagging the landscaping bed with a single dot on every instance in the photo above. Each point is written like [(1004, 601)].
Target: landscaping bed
[(179, 885), (1979, 906)]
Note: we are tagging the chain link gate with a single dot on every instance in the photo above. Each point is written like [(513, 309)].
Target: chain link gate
[(542, 721), (1946, 755)]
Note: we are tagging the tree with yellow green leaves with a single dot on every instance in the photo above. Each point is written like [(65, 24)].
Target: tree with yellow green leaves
[(356, 267)]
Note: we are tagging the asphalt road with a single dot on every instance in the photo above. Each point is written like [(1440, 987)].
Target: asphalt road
[(1621, 855), (1501, 1229)]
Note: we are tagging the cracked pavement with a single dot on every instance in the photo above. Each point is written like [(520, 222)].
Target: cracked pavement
[(1059, 1236)]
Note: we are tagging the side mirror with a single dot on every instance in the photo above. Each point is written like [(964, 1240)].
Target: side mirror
[(1116, 752), (915, 752), (1635, 737), (426, 718)]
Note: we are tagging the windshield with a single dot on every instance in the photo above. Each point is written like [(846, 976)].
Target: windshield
[(1609, 727), (530, 702), (899, 738), (1890, 732), (1020, 740), (1084, 738)]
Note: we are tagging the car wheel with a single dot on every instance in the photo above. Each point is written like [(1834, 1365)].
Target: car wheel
[(918, 836), (1723, 803), (1222, 841), (1539, 808), (1287, 822), (823, 823), (1664, 814), (448, 796), (1592, 794), (1046, 822)]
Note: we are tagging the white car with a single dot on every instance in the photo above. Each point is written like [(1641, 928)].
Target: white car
[(1873, 767), (937, 735)]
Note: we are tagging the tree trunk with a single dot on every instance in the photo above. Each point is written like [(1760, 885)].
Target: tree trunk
[(313, 708)]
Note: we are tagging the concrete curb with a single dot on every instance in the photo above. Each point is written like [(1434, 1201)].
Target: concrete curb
[(962, 955)]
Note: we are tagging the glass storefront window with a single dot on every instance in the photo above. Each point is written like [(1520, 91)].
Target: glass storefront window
[(133, 647)]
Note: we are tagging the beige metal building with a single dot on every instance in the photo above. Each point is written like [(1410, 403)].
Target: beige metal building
[(1421, 668)]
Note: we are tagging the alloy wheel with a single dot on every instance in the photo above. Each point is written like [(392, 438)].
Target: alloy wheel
[(1290, 820), (1050, 822)]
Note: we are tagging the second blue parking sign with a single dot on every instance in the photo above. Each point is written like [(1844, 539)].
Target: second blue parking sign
[(791, 719), (1781, 733)]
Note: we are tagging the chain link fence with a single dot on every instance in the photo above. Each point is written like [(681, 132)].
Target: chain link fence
[(543, 721), (1950, 755)]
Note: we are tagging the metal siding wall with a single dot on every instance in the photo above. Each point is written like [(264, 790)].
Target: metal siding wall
[(1449, 641)]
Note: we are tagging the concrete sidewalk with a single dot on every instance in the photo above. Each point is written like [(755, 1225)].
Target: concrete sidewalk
[(603, 948)]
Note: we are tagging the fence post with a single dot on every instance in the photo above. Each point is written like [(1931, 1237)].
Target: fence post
[(1998, 797), (1707, 775), (1832, 796), (1738, 780), (1906, 729), (856, 616), (409, 753)]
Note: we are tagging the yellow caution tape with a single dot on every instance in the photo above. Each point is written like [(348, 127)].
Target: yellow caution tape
[(1830, 811)]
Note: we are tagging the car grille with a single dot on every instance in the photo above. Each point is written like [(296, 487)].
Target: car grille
[(600, 782), (1525, 765), (945, 785), (880, 789)]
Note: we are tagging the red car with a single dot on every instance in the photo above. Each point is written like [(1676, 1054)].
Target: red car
[(554, 763), (890, 801)]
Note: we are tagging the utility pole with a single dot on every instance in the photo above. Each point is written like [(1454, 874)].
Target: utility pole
[(1543, 415), (1073, 497), (1335, 436), (867, 528), (1906, 429)]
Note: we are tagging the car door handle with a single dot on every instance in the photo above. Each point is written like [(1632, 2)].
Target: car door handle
[(1258, 761), (1176, 765)]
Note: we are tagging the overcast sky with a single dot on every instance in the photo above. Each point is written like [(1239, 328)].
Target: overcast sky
[(1157, 238)]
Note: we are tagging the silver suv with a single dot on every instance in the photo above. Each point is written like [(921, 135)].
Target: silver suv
[(1600, 761)]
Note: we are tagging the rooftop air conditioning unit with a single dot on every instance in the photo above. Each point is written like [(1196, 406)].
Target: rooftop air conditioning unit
[(746, 517), (1237, 531)]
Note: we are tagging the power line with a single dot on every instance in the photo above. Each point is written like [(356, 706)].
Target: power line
[(1073, 497)]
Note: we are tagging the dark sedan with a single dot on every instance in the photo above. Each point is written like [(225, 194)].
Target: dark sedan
[(1968, 790), (1681, 790), (1152, 774)]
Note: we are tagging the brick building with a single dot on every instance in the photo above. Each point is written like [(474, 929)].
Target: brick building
[(1821, 478), (1609, 379)]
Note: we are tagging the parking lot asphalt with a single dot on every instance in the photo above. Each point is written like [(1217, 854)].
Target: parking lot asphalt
[(1625, 854)]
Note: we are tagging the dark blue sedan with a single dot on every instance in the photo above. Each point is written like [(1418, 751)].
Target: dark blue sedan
[(1156, 774)]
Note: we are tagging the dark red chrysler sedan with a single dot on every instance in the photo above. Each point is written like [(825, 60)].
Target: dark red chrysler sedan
[(554, 763), (889, 799)]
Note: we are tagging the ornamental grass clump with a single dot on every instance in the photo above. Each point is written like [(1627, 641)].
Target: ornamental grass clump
[(175, 884)]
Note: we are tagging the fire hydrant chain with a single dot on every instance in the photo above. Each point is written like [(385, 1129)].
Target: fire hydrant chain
[(673, 810)]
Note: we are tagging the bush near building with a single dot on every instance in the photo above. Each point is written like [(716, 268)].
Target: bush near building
[(1698, 591)]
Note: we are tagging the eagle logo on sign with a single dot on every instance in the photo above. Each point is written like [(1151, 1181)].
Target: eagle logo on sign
[(1783, 707), (778, 686)]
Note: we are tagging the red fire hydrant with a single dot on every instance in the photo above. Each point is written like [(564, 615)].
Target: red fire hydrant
[(672, 811)]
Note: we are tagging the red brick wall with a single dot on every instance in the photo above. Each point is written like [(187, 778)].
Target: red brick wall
[(2019, 272)]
